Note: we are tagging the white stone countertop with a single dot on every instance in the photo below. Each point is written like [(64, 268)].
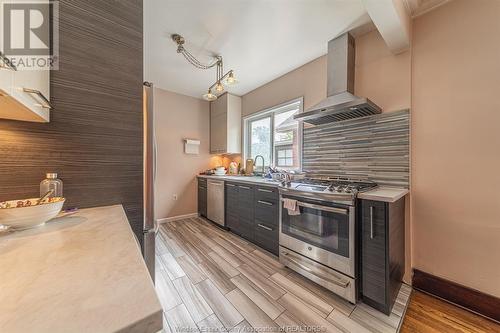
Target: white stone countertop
[(386, 194), (80, 273), (243, 179), (382, 193)]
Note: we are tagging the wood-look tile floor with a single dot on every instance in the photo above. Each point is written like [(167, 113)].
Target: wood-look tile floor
[(210, 280)]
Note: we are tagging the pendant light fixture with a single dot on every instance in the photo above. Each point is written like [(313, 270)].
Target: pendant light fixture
[(227, 78)]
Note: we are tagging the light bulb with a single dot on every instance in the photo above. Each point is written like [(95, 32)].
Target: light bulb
[(230, 79), (209, 96), (219, 87)]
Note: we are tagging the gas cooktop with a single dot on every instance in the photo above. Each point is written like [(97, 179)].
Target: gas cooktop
[(334, 188), (339, 185)]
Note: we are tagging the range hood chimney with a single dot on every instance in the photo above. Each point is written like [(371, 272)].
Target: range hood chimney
[(341, 103)]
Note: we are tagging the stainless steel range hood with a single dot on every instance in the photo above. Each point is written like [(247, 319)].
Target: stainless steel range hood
[(341, 103)]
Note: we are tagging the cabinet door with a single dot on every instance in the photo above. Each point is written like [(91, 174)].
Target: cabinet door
[(38, 82), (218, 126), (202, 198), (374, 253), (232, 208), (246, 210)]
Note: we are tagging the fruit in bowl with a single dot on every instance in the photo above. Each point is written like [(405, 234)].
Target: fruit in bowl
[(29, 213)]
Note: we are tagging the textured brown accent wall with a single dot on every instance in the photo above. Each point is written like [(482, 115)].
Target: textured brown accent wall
[(94, 139)]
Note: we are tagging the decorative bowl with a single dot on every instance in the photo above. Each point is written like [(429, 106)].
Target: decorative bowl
[(28, 213)]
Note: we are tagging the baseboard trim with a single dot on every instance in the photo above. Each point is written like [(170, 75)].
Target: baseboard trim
[(468, 298), (177, 218)]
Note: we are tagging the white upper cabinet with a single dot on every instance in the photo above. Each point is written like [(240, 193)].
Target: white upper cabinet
[(25, 92), (225, 125)]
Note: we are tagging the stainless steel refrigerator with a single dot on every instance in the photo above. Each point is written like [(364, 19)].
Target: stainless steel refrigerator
[(150, 227)]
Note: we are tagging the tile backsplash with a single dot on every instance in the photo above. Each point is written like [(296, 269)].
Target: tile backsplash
[(374, 148)]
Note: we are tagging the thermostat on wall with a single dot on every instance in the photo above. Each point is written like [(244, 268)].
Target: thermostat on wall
[(191, 147)]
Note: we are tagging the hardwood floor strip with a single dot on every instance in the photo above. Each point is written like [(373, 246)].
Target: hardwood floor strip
[(224, 310), (228, 256), (194, 301), (225, 244), (207, 241), (429, 314), (316, 303), (173, 269), (242, 327), (392, 320), (304, 313), (289, 323), (180, 320), (195, 274), (166, 326), (270, 307), (224, 265), (261, 281), (370, 322), (337, 302), (167, 294), (217, 276), (211, 324), (260, 265), (171, 244), (251, 312), (346, 324), (160, 247), (273, 261)]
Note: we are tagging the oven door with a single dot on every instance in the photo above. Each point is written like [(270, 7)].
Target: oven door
[(323, 232)]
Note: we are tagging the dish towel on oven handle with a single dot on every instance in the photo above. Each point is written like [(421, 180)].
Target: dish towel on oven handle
[(291, 206)]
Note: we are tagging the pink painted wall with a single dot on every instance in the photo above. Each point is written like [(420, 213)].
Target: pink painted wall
[(178, 117), (456, 143)]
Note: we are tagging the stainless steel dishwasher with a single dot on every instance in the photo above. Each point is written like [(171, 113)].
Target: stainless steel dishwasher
[(215, 201)]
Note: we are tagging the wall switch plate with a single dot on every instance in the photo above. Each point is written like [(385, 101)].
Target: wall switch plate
[(175, 197)]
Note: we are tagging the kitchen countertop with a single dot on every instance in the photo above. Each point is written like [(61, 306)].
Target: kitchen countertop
[(385, 194), (243, 179), (80, 273)]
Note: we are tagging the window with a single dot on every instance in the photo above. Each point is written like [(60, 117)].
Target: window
[(275, 135)]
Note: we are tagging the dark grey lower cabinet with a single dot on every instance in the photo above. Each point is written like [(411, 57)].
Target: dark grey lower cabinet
[(266, 218), (202, 197), (382, 252), (252, 213)]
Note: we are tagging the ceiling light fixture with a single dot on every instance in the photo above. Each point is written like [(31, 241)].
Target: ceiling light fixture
[(228, 78), (209, 96)]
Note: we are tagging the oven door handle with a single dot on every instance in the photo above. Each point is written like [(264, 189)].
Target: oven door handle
[(340, 283), (325, 208)]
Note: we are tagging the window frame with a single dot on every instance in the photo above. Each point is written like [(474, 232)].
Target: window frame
[(271, 112)]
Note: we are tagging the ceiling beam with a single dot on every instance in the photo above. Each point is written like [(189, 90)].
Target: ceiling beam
[(393, 21)]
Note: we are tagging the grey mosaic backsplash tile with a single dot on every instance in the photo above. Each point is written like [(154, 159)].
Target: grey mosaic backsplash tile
[(375, 148)]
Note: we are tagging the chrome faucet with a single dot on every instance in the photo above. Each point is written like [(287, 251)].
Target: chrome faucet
[(263, 163)]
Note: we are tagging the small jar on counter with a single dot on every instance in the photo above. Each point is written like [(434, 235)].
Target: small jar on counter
[(51, 183)]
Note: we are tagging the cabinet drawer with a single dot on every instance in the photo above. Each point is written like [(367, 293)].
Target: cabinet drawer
[(266, 193), (266, 211), (266, 236)]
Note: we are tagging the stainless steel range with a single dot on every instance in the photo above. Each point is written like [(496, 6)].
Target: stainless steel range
[(318, 238)]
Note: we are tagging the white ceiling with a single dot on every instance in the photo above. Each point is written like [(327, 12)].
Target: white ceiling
[(260, 39)]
